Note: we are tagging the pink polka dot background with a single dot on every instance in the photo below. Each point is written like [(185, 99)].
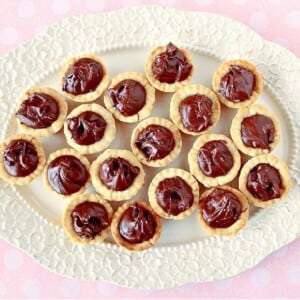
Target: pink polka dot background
[(277, 276)]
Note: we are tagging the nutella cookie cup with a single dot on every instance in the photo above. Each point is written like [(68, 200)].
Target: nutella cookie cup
[(223, 210), (89, 128), (84, 78), (255, 130), (135, 226), (238, 83), (169, 68), (87, 219), (117, 174), (22, 159), (173, 193), (41, 112), (214, 160), (130, 97), (156, 142), (265, 180), (195, 109), (67, 173)]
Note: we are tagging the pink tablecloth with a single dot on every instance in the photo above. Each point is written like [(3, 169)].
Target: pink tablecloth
[(278, 275)]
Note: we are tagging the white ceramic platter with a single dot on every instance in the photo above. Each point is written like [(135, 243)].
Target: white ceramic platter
[(30, 216)]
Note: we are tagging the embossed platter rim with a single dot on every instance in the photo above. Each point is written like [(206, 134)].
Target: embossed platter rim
[(164, 266)]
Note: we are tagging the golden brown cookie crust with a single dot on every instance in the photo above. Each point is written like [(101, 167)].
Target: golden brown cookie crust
[(235, 130), (109, 133), (72, 152), (122, 242), (150, 97), (190, 90), (193, 160), (164, 123), (236, 226), (57, 124), (103, 189), (41, 159), (164, 86), (170, 173), (224, 68), (273, 161), (91, 96), (67, 219)]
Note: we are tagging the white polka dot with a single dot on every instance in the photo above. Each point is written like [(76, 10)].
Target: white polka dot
[(260, 277), (2, 289), (259, 21), (26, 9), (13, 260), (8, 36), (32, 288), (222, 284), (106, 289), (274, 1), (292, 19), (131, 2), (204, 2), (294, 274), (239, 2), (60, 7), (68, 288), (95, 5), (281, 252)]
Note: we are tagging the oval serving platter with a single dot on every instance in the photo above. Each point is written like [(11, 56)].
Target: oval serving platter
[(30, 216)]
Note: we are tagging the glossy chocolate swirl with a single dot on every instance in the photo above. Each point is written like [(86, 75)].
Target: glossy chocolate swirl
[(128, 96), (20, 158), (87, 128), (264, 182), (257, 131), (89, 219), (215, 159), (155, 141), (174, 195), (83, 77), (38, 111), (238, 84), (195, 112), (67, 175), (171, 66), (117, 173), (221, 208), (137, 224)]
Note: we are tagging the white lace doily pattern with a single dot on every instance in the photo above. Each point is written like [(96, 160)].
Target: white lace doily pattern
[(164, 266)]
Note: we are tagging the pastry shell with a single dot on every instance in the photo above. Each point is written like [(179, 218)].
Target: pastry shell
[(145, 111), (102, 189), (41, 159), (137, 246), (62, 152), (164, 123), (224, 68), (235, 130), (109, 133), (57, 124), (67, 219), (190, 90), (273, 161), (170, 173), (238, 224), (164, 86), (90, 96), (194, 166)]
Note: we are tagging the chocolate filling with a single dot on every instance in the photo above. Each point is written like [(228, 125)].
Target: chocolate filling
[(174, 195), (128, 96), (221, 208), (38, 111), (89, 219), (117, 173)]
